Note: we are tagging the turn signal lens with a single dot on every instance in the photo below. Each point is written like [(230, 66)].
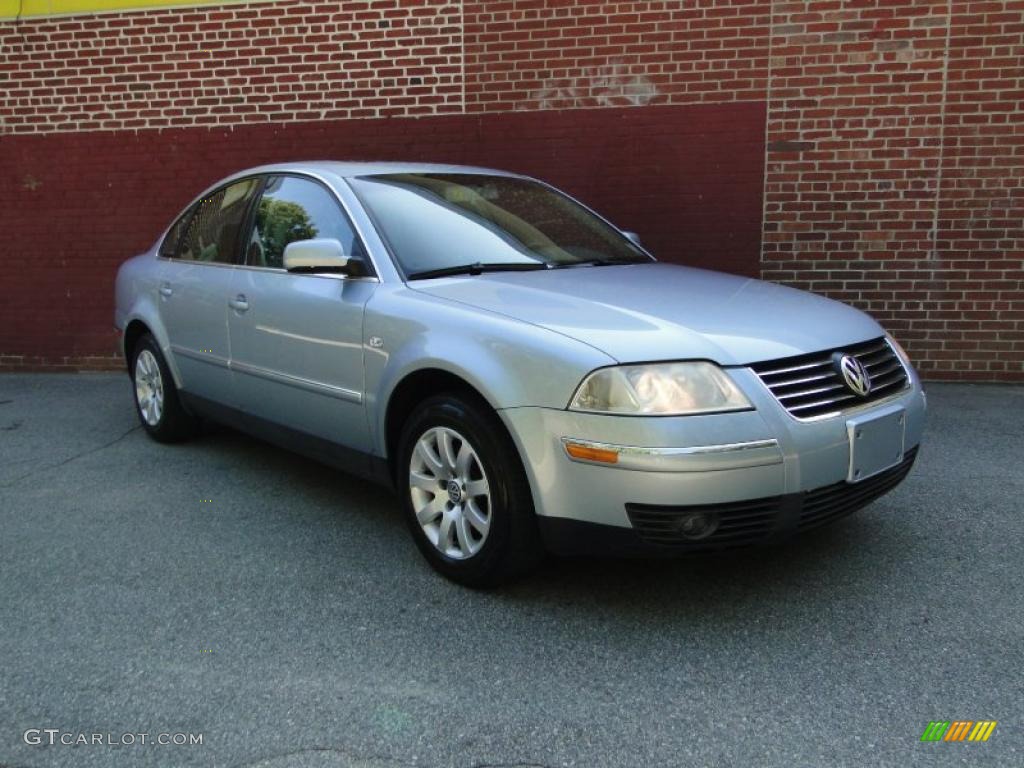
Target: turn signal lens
[(590, 453)]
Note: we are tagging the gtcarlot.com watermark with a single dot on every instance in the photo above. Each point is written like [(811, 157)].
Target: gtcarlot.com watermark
[(37, 737)]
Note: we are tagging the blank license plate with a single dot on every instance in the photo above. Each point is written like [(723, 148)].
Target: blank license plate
[(876, 443)]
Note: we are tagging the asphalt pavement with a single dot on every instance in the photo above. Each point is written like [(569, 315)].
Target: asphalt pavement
[(279, 610)]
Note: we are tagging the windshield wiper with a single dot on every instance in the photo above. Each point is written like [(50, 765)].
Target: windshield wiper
[(477, 269)]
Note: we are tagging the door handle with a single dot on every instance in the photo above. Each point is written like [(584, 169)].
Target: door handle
[(165, 289), (239, 303)]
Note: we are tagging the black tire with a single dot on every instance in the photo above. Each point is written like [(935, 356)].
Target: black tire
[(512, 546), (174, 423)]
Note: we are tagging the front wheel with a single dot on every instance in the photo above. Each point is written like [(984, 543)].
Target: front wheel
[(466, 496)]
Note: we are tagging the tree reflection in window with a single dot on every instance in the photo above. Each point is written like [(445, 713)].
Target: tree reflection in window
[(292, 209), (280, 222)]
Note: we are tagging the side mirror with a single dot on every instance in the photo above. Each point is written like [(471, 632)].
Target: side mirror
[(316, 256), (634, 237)]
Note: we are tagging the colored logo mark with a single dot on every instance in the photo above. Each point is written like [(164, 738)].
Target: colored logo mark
[(958, 730)]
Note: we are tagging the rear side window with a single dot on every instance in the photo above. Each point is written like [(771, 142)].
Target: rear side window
[(169, 247), (212, 234), (293, 209)]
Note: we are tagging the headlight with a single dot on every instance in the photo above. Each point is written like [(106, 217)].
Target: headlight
[(663, 389)]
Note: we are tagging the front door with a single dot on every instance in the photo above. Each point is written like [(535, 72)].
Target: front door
[(296, 339)]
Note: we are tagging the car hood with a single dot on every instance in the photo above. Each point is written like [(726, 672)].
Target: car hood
[(647, 312)]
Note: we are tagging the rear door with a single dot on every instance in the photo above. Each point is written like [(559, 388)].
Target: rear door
[(296, 339), (195, 287)]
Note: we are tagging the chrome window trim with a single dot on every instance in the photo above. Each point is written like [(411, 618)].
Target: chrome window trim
[(324, 276), (198, 263), (326, 182)]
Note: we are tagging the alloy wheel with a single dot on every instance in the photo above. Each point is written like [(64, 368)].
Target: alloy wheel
[(149, 387), (450, 493)]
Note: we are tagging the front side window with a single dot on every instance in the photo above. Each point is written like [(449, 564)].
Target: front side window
[(439, 221), (293, 209), (213, 231)]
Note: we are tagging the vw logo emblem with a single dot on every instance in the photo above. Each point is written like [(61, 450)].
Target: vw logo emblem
[(854, 374), (454, 492)]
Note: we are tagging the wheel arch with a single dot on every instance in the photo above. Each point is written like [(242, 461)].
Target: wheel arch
[(145, 320), (415, 387), (134, 331)]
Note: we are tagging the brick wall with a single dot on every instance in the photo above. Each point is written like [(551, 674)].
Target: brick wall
[(279, 62), (976, 292), (565, 55), (895, 148), (872, 150)]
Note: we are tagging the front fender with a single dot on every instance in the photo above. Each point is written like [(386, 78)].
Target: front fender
[(509, 362)]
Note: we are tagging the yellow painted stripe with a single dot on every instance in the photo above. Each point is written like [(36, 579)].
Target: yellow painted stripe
[(982, 724), (10, 9), (988, 731)]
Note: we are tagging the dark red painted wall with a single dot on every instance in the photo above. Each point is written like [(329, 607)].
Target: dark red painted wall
[(73, 206)]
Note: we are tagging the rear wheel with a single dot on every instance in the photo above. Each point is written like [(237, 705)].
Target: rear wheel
[(156, 398), (466, 496)]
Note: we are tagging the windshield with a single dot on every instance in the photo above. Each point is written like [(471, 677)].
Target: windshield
[(443, 221)]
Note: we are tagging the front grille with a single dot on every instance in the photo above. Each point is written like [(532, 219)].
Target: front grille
[(809, 386), (824, 505), (739, 523)]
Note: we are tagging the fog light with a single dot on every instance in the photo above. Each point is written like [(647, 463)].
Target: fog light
[(697, 525)]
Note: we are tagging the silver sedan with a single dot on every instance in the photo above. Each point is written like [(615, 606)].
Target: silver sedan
[(524, 373)]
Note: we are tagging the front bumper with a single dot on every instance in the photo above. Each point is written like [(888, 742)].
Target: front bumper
[(761, 473), (656, 528)]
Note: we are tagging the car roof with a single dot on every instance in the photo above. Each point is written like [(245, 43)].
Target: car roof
[(349, 169)]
